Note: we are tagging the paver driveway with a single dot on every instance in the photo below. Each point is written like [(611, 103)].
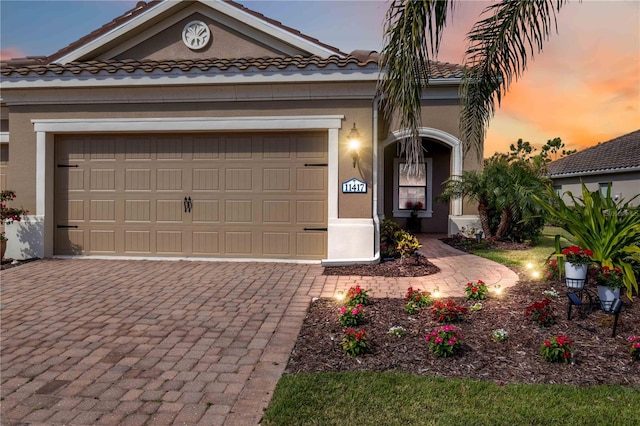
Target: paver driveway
[(147, 342), (171, 342)]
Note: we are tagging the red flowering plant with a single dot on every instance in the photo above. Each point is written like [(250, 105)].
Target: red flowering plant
[(557, 349), (577, 256), (8, 215), (445, 341), (350, 316), (477, 290), (355, 342), (357, 296), (634, 347), (541, 313), (610, 277), (416, 299), (551, 269), (447, 311)]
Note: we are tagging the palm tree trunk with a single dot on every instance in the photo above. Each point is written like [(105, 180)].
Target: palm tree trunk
[(505, 218), (484, 219)]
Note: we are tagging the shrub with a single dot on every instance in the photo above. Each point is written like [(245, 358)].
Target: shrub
[(541, 313), (445, 341), (416, 299), (350, 316), (8, 215), (476, 291), (396, 242), (447, 311), (357, 296), (557, 349), (634, 347), (355, 342)]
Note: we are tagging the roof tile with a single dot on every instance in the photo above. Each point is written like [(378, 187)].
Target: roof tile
[(615, 155)]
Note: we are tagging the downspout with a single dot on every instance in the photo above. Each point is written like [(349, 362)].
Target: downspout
[(376, 219)]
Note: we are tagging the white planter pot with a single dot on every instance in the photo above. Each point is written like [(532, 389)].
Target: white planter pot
[(575, 275), (607, 295)]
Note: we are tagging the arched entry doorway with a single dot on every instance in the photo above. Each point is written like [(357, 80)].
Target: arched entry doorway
[(399, 192)]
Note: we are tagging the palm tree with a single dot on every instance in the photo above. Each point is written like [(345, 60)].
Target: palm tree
[(476, 186), (499, 47)]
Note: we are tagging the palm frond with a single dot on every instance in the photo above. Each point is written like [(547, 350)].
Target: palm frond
[(499, 48), (413, 31)]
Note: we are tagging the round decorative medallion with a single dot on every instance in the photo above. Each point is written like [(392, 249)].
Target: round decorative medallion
[(196, 35)]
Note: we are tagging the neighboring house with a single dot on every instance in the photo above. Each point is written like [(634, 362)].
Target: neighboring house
[(205, 129), (615, 162)]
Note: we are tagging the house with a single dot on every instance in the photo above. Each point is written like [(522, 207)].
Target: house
[(615, 162), (202, 129)]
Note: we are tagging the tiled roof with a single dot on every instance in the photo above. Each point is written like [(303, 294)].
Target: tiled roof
[(142, 7), (616, 155), (439, 70)]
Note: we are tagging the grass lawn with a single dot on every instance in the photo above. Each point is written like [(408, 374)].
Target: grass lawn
[(537, 255), (365, 398)]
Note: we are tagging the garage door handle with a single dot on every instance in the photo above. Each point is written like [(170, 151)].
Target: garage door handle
[(67, 226), (314, 229), (187, 204), (190, 204)]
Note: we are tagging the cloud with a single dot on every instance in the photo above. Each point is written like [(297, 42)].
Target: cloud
[(11, 53)]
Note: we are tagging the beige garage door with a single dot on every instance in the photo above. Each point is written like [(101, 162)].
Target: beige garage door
[(214, 195)]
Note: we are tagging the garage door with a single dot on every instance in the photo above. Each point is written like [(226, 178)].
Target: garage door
[(213, 195)]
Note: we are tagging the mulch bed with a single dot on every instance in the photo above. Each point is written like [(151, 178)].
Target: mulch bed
[(393, 268), (598, 357)]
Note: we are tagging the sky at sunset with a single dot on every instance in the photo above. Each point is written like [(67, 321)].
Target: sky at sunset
[(584, 87)]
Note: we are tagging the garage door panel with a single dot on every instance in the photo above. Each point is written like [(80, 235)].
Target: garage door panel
[(206, 211), (137, 149), (238, 211), (276, 212), (276, 244), (102, 210), (137, 242), (169, 180), (169, 242), (206, 243), (311, 244), (311, 179), (238, 242), (137, 179), (102, 241), (169, 210), (276, 179), (250, 195), (102, 180), (206, 179)]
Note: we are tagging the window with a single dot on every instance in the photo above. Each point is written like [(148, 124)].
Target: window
[(410, 190), (604, 187)]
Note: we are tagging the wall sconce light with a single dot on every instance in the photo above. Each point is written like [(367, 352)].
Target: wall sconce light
[(353, 138)]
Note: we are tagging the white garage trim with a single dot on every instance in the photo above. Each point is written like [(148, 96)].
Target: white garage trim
[(46, 128)]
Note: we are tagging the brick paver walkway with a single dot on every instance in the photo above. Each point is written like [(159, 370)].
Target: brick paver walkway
[(146, 342)]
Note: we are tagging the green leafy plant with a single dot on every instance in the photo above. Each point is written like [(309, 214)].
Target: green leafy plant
[(388, 242), (610, 277), (476, 307), (357, 296), (397, 331), (499, 335), (407, 244), (609, 228), (445, 341), (350, 316), (541, 313), (477, 290), (447, 311), (634, 347), (557, 349), (416, 299), (354, 342), (8, 215)]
